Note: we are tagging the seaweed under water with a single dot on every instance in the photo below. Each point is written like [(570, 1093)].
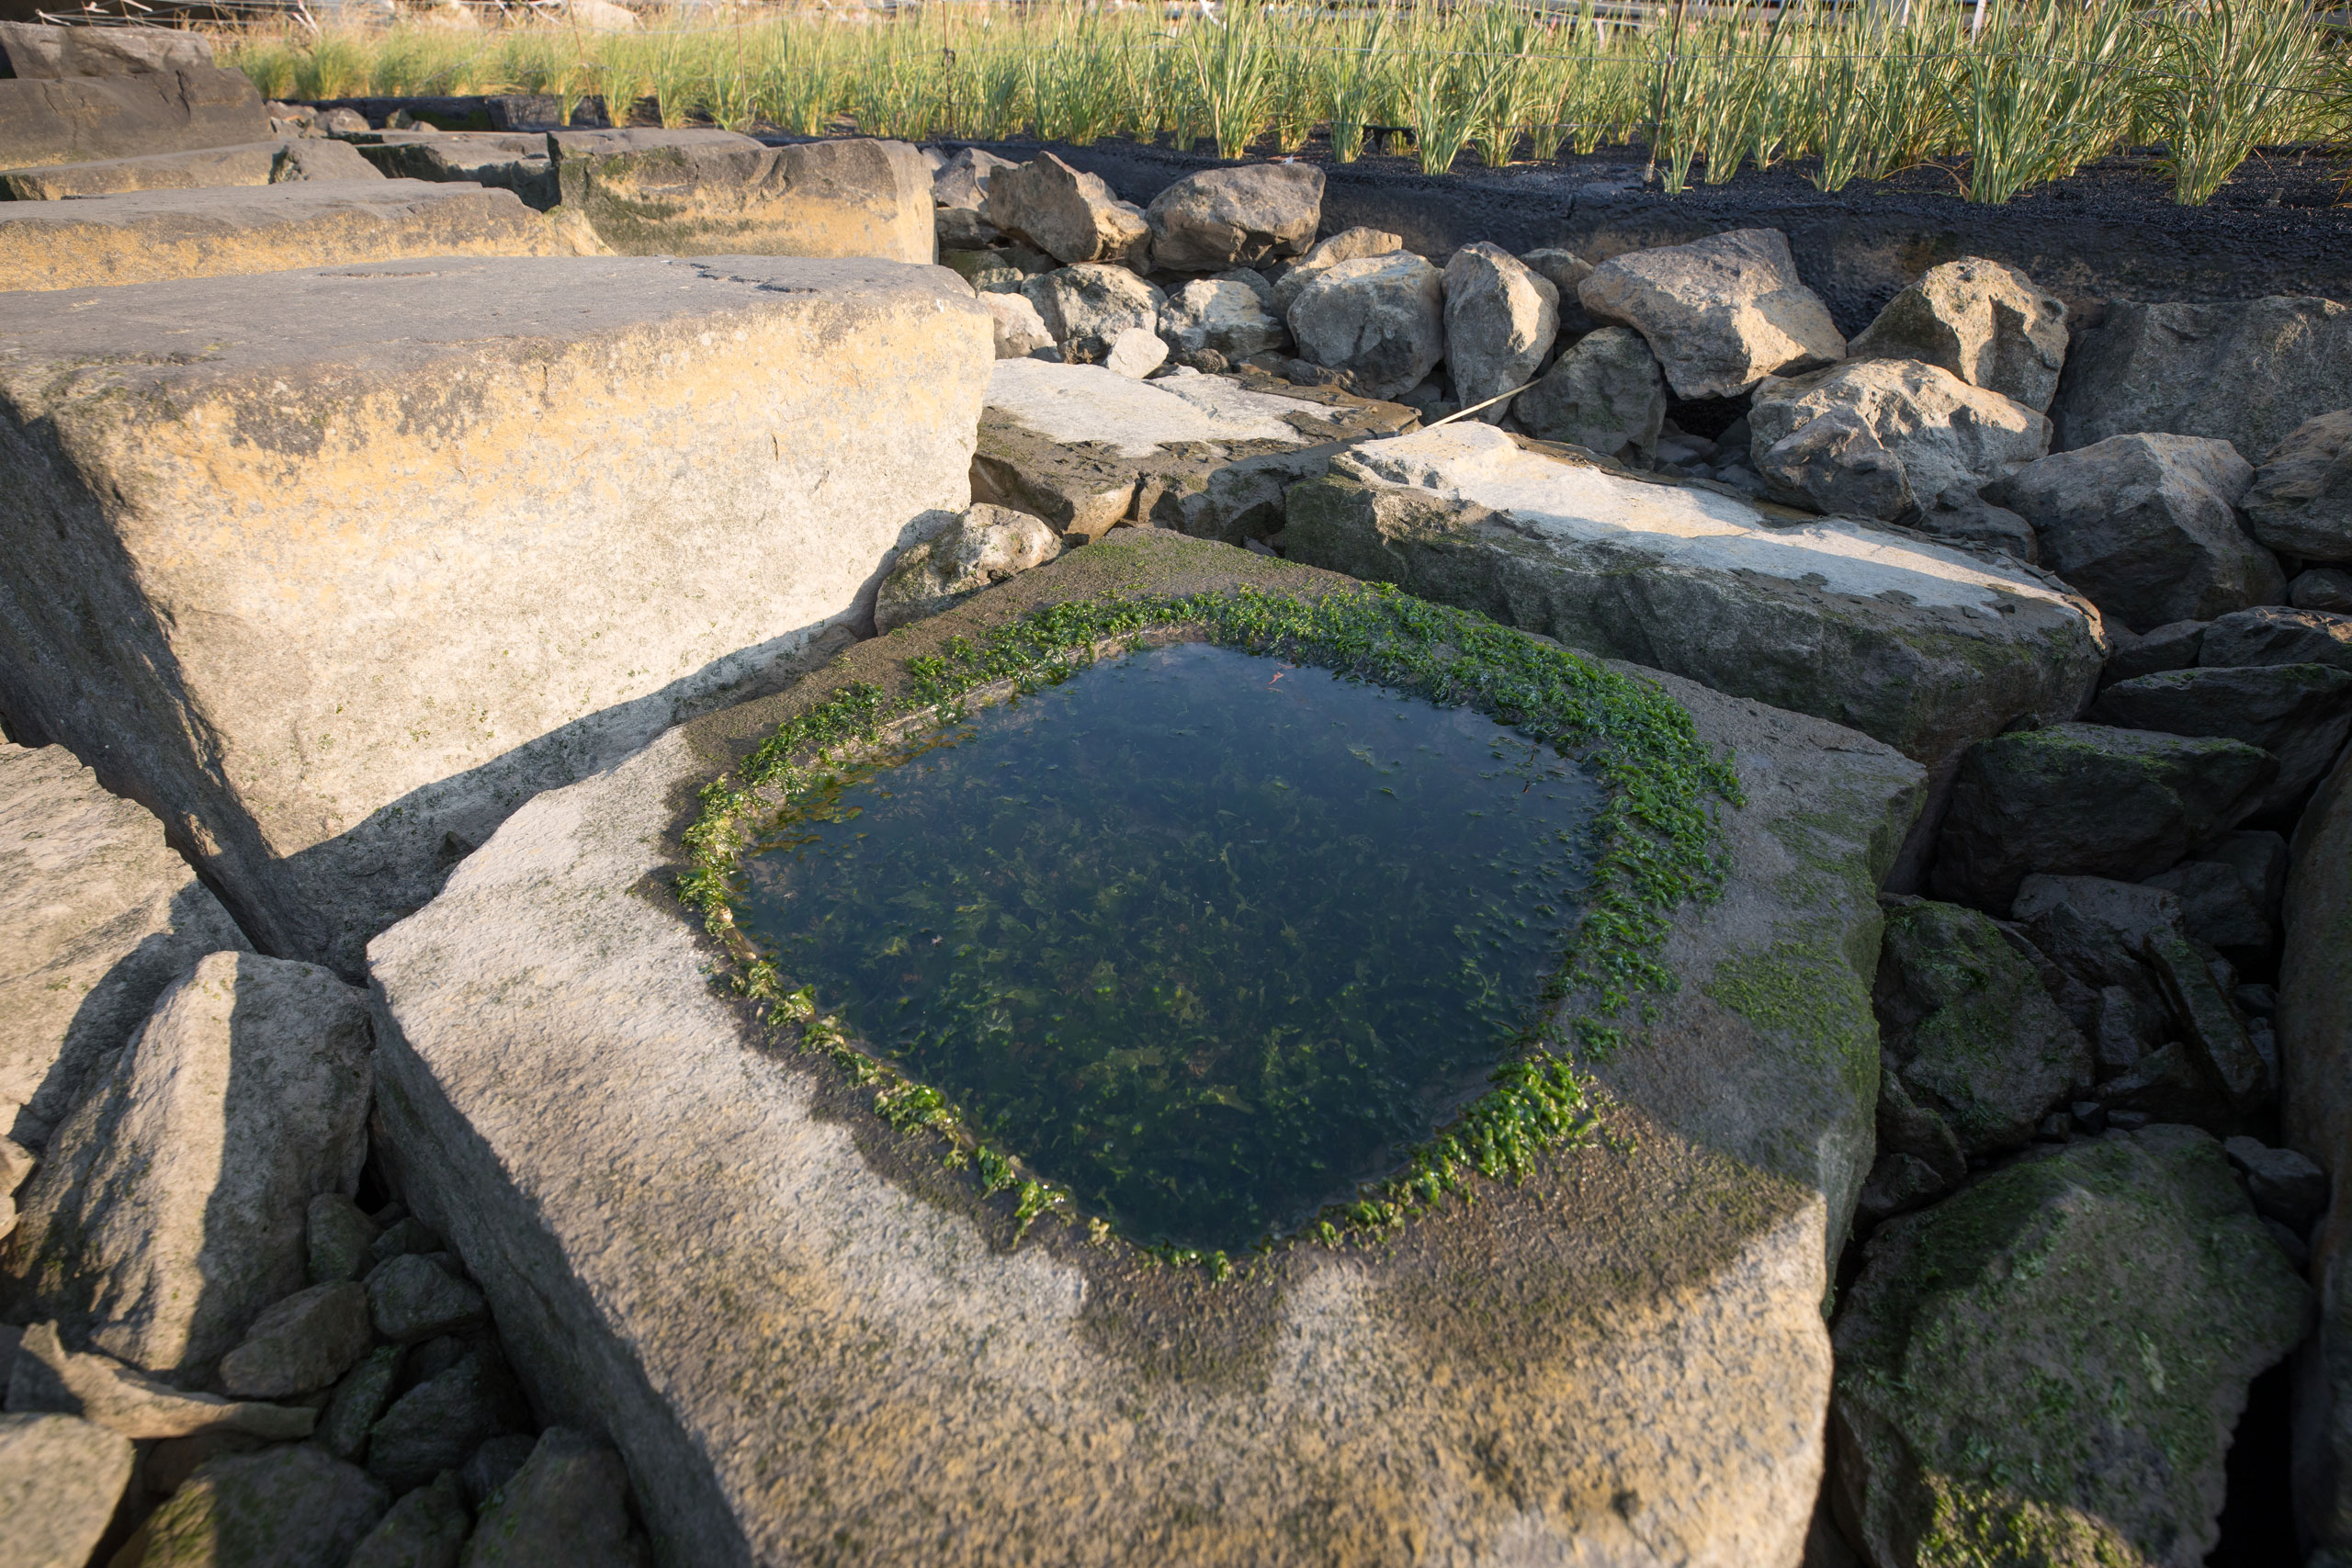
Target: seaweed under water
[(1207, 938)]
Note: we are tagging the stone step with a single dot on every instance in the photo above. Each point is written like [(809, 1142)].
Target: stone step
[(78, 119), (336, 566), (158, 235), (253, 164)]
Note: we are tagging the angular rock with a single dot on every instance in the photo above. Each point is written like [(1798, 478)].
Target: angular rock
[(2301, 501), (833, 406), (160, 235), (96, 917), (1984, 323), (169, 1210), (33, 52), (1685, 1380), (437, 1425), (1136, 353), (2322, 588), (1086, 307), (2216, 908), (1500, 319), (1222, 314), (2245, 371), (2094, 933), (963, 181), (1941, 434), (683, 193), (2284, 1185), (494, 1463), (1020, 331), (507, 160), (302, 1344), (337, 1239), (986, 545), (285, 1508), (2087, 800), (360, 1401), (2053, 1360), (961, 228), (402, 1236), (1070, 215), (257, 163), (1720, 313), (45, 1376), (412, 1298), (1916, 645), (2147, 526), (2274, 634), (74, 119), (1349, 245), (2173, 646), (427, 1529), (1567, 272), (2211, 1028), (2301, 714), (1379, 318), (2170, 1085), (1835, 464), (60, 1481), (1084, 447), (1221, 218), (568, 1505), (1605, 394), (1966, 1024)]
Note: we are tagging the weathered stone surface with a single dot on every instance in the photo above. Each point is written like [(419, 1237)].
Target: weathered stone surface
[(257, 163), (1625, 1352), (1381, 318), (336, 1237), (79, 120), (2173, 646), (1086, 307), (2322, 588), (1084, 447), (508, 159), (427, 1529), (1720, 313), (1605, 394), (1984, 323), (437, 1425), (2095, 930), (986, 545), (2216, 905), (285, 1507), (2087, 800), (96, 917), (1020, 331), (1567, 272), (1349, 245), (962, 182), (47, 1377), (714, 193), (2245, 371), (1939, 433), (2285, 1186), (1221, 218), (1918, 645), (34, 53), (1967, 1025), (1136, 353), (1223, 314), (360, 1399), (61, 1479), (566, 1508), (301, 1344), (2301, 714), (831, 406), (2274, 634), (2147, 526), (169, 1210), (2210, 1029), (1070, 215), (2050, 1365), (1500, 319), (2301, 501), (494, 1463), (412, 1298), (159, 235)]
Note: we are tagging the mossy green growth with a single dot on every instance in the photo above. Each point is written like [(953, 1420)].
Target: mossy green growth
[(1656, 844)]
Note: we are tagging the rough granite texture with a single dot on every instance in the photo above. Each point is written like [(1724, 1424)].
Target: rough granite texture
[(713, 192), (799, 1331)]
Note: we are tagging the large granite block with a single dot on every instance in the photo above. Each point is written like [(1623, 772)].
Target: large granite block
[(73, 119)]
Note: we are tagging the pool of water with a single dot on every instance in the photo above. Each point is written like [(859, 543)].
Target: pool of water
[(1207, 938)]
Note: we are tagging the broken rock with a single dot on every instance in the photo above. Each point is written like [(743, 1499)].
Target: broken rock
[(2301, 714), (60, 1481), (1720, 313), (1020, 331), (1226, 315), (1349, 245), (1942, 434), (1086, 307), (1070, 215), (291, 1504), (2245, 371), (1984, 323), (683, 193), (2301, 501), (45, 1376), (1604, 394), (1221, 218), (1381, 319), (1500, 319), (300, 1345), (986, 545)]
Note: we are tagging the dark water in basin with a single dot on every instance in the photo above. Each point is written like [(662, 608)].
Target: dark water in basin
[(1207, 938)]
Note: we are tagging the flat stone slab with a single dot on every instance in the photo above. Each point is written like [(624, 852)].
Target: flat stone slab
[(512, 160), (800, 1329), (157, 235), (1084, 447), (335, 568), (253, 164), (709, 192), (1924, 646), (76, 119)]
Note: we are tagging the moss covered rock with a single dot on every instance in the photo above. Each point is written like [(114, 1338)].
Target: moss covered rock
[(2046, 1369)]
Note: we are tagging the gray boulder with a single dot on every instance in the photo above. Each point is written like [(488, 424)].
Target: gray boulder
[(566, 1508), (62, 115), (2211, 1031), (1500, 319), (1070, 215), (1919, 1159), (35, 52), (1226, 315), (1221, 218), (1086, 307), (284, 1507), (2057, 1356), (2301, 714), (1381, 318), (60, 1481), (2088, 800), (437, 1425), (1941, 434), (962, 182), (169, 1210), (45, 1376), (1965, 1023), (2322, 588), (2275, 634), (96, 917), (427, 1529), (2173, 646), (2147, 526), (302, 1344), (1835, 464), (360, 1401), (1566, 271), (1605, 394), (2217, 907), (2301, 501), (1984, 323), (985, 545), (1136, 353), (2245, 371), (1720, 313), (1020, 331), (411, 1297), (2285, 1186), (494, 1463), (1349, 245), (338, 1238)]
